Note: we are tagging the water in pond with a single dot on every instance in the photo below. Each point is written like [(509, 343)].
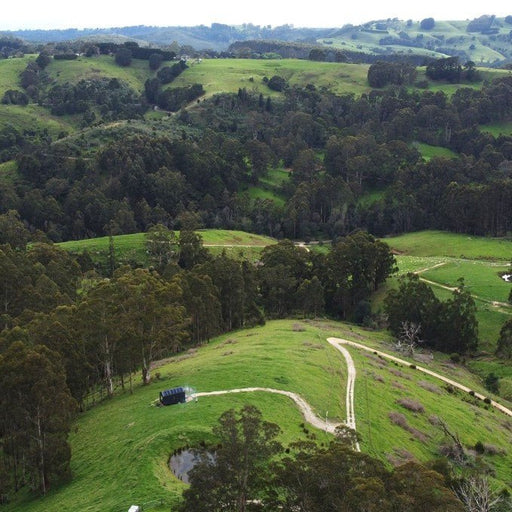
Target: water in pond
[(182, 462)]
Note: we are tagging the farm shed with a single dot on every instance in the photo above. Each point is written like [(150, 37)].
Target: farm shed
[(172, 396)]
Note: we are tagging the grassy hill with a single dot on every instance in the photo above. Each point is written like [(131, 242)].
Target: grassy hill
[(392, 36), (101, 66), (121, 447), (228, 75), (130, 248), (442, 258), (216, 76)]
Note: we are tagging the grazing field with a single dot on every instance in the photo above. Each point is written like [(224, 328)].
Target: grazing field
[(443, 243), (482, 278), (34, 118), (130, 248), (441, 259), (9, 72), (101, 66), (428, 152), (270, 186), (228, 75), (497, 129), (121, 447)]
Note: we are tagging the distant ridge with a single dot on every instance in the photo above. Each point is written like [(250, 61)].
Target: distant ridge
[(486, 40)]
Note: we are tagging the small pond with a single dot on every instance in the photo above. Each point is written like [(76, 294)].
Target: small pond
[(181, 462)]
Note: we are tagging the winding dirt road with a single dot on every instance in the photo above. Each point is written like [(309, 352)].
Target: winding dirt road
[(305, 408), (453, 383), (323, 423)]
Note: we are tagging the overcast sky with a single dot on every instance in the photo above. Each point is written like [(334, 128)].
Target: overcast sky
[(46, 14)]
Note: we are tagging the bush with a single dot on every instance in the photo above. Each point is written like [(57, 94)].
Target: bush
[(277, 83), (155, 60), (455, 358), (492, 383), (411, 405), (479, 447), (13, 97)]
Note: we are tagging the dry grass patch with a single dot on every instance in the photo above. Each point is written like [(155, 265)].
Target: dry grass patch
[(429, 387), (411, 404), (401, 421)]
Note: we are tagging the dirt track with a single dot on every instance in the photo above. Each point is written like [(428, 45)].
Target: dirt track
[(322, 423), (453, 383)]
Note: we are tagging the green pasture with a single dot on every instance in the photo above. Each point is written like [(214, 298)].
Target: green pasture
[(33, 118), (428, 152), (101, 66), (442, 258), (122, 446), (443, 243), (10, 70), (370, 197), (379, 386), (269, 186), (482, 278), (497, 129), (130, 248), (229, 75)]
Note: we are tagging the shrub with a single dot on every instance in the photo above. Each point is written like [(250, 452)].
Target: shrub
[(277, 83), (455, 358), (411, 405), (479, 447), (123, 57), (429, 387)]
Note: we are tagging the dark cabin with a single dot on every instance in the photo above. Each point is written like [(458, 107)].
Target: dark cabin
[(172, 396)]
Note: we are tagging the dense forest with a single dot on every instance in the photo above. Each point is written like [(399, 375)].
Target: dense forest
[(337, 149)]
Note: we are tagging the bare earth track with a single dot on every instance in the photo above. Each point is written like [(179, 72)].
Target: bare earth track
[(350, 422)]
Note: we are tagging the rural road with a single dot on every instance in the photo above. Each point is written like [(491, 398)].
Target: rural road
[(322, 423), (453, 383), (305, 408)]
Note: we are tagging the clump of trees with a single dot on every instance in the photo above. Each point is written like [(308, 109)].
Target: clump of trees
[(451, 70), (427, 24), (449, 326), (250, 467), (381, 74)]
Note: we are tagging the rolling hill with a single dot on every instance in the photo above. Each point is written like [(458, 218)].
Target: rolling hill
[(289, 355)]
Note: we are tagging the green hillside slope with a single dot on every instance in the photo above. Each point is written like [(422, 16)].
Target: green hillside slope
[(121, 447)]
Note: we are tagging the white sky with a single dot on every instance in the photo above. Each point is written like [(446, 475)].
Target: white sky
[(44, 14)]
